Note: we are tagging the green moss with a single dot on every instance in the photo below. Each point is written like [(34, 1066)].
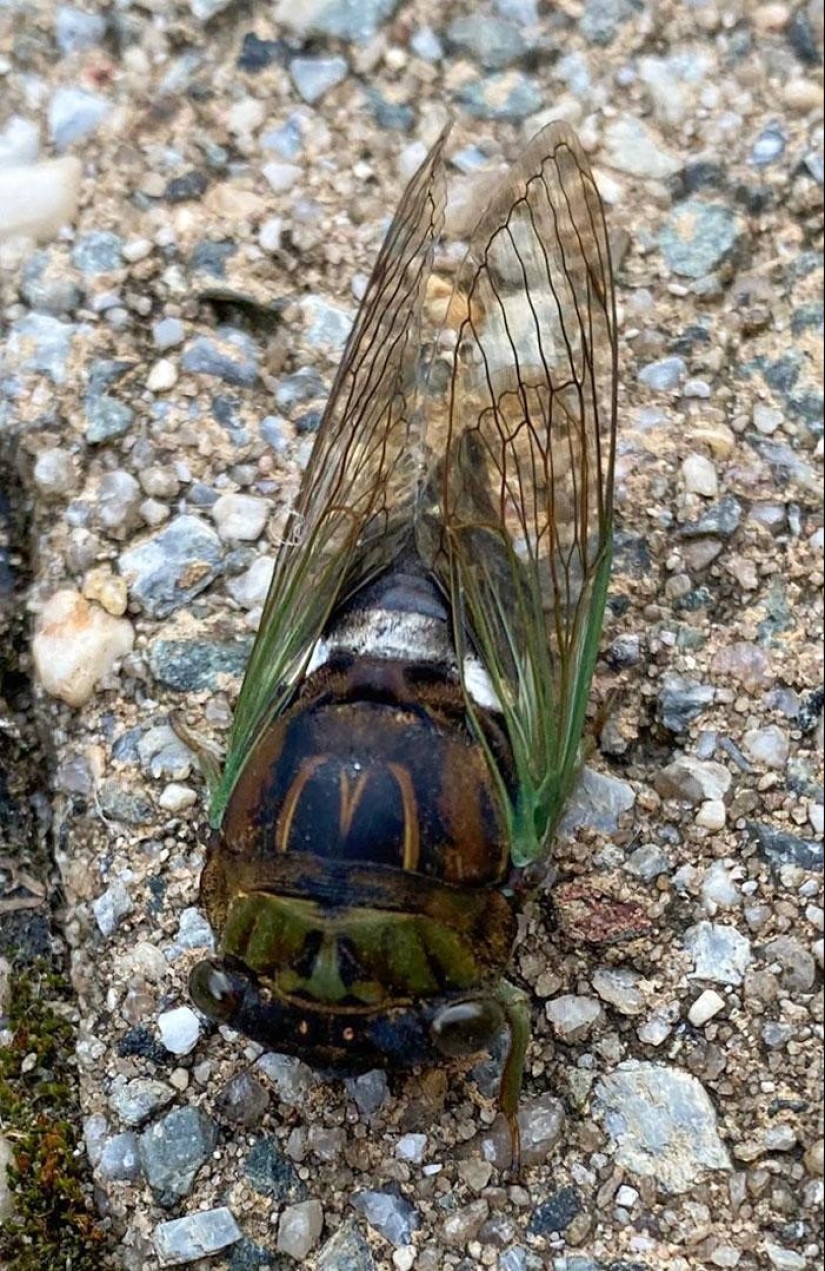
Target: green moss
[(54, 1227)]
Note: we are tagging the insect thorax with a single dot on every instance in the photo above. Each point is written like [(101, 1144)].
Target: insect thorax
[(360, 858)]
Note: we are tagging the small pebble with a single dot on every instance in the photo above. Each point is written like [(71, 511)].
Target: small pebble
[(76, 645), (700, 477), (198, 1235), (315, 76), (179, 1030), (299, 1229), (705, 1007), (240, 517), (162, 376)]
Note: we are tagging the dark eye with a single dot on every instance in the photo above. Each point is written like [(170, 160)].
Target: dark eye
[(216, 991), (467, 1027)]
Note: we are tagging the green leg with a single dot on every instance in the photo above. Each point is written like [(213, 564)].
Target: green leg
[(516, 1006)]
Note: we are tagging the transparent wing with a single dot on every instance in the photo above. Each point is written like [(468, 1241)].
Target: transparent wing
[(516, 513), (355, 505)]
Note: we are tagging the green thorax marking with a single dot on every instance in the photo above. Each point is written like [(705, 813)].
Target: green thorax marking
[(357, 957)]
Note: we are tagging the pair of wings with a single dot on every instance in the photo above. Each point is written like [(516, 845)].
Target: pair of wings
[(497, 464)]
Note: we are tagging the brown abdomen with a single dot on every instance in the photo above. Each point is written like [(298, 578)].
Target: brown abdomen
[(373, 763)]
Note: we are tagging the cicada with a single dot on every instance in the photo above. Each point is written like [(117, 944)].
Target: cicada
[(410, 720)]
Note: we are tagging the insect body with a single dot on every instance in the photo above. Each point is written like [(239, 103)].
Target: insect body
[(409, 722)]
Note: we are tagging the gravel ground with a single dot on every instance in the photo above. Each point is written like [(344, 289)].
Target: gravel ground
[(227, 171)]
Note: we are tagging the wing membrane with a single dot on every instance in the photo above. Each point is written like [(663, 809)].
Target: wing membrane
[(516, 517), (355, 505)]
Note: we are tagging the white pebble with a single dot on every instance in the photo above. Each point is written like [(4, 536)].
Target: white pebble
[(699, 475), (403, 1259), (175, 797), (36, 201), (411, 1147), (767, 746), (162, 376), (281, 176), (711, 815), (766, 419), (705, 1007), (77, 644), (270, 234), (626, 1196), (135, 249), (240, 517), (55, 472), (179, 1030)]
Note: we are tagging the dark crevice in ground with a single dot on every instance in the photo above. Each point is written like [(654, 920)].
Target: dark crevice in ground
[(54, 1225)]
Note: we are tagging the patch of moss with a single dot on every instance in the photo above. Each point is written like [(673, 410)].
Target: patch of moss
[(54, 1227)]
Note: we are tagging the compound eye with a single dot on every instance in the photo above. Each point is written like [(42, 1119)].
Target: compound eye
[(465, 1028), (216, 991)]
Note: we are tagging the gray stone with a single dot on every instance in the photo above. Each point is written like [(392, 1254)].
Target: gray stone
[(40, 343), (572, 1016), (291, 1077), (111, 907), (392, 1216), (19, 142), (304, 386), (299, 1229), (46, 287), (119, 1158), (106, 418), (133, 1101), (633, 148), (355, 20), (698, 238), (347, 1250), (315, 76), (426, 45), (492, 42), (663, 1124), (270, 1173), (98, 252), (118, 500), (797, 967), (526, 11), (326, 324), (556, 1213), (173, 1150), (205, 10), (541, 1125), (162, 754), (769, 146), (168, 333), (692, 780), (508, 95), (780, 847), (232, 357), (720, 953), (198, 1235), (598, 802), (663, 376), (193, 665), (243, 1099), (768, 747), (173, 566), (76, 30), (601, 19), (720, 519), (619, 987), (681, 700), (369, 1091), (647, 862), (73, 114)]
